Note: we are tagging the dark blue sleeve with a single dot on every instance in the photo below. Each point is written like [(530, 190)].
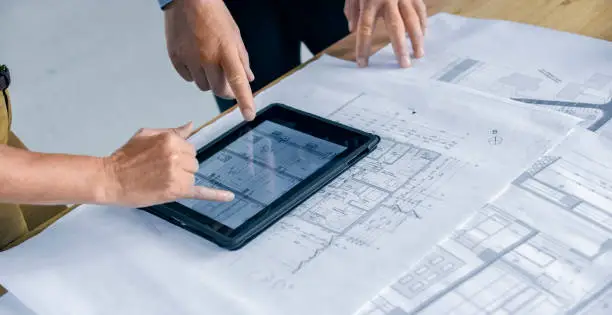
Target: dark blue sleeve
[(163, 3)]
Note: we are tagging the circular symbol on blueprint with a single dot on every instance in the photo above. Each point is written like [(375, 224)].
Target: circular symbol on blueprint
[(495, 139)]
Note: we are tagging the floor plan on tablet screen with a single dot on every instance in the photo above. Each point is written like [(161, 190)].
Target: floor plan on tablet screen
[(259, 167)]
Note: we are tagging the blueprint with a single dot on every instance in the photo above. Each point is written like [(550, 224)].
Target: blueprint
[(438, 161), (470, 53), (543, 247), (259, 167)]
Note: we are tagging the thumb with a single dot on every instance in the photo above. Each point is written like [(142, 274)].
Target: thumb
[(183, 131)]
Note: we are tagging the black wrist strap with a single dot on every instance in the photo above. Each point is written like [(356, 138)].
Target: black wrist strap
[(5, 77)]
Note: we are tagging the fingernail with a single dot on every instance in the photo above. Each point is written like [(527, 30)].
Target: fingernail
[(420, 53), (226, 195), (362, 62), (248, 114), (405, 62), (250, 74)]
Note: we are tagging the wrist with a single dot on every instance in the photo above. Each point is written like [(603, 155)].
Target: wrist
[(106, 191)]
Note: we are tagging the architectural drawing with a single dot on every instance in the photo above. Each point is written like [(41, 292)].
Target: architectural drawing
[(413, 180), (582, 89), (511, 258), (377, 195), (590, 99), (258, 169)]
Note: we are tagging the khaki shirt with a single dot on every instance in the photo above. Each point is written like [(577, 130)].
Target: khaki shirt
[(12, 221), (17, 220)]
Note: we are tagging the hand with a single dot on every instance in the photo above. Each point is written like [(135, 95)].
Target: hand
[(157, 166), (400, 16), (205, 46)]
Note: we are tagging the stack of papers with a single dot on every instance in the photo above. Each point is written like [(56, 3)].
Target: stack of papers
[(455, 134)]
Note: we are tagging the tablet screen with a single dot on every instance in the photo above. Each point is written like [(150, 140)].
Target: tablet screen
[(259, 167)]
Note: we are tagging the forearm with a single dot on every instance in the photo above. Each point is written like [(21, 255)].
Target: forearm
[(37, 178)]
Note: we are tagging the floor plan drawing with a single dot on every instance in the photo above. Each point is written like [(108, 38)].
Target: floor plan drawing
[(258, 169), (400, 189), (511, 258), (589, 99), (541, 77), (392, 185)]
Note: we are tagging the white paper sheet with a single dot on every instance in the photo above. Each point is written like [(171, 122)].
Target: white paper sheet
[(11, 305), (543, 247), (444, 153), (567, 72)]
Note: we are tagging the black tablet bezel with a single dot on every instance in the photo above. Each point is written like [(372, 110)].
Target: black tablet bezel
[(356, 142)]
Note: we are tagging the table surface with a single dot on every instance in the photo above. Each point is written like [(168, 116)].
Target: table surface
[(586, 17)]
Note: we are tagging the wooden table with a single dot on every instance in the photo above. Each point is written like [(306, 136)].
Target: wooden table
[(586, 17)]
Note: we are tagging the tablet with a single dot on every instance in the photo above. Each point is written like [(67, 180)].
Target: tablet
[(271, 164)]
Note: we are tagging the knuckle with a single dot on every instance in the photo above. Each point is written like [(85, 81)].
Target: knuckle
[(174, 55), (224, 93), (169, 189), (173, 160), (167, 140), (236, 79), (203, 86), (366, 28), (172, 191), (192, 150), (205, 58), (396, 24)]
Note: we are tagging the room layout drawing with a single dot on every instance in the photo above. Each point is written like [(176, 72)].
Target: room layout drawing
[(539, 87), (416, 178), (587, 95), (395, 183), (511, 258)]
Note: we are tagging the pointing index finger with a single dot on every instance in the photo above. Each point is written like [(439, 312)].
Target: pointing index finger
[(236, 76), (211, 194)]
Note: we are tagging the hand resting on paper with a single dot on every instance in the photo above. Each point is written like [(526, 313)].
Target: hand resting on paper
[(400, 17)]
